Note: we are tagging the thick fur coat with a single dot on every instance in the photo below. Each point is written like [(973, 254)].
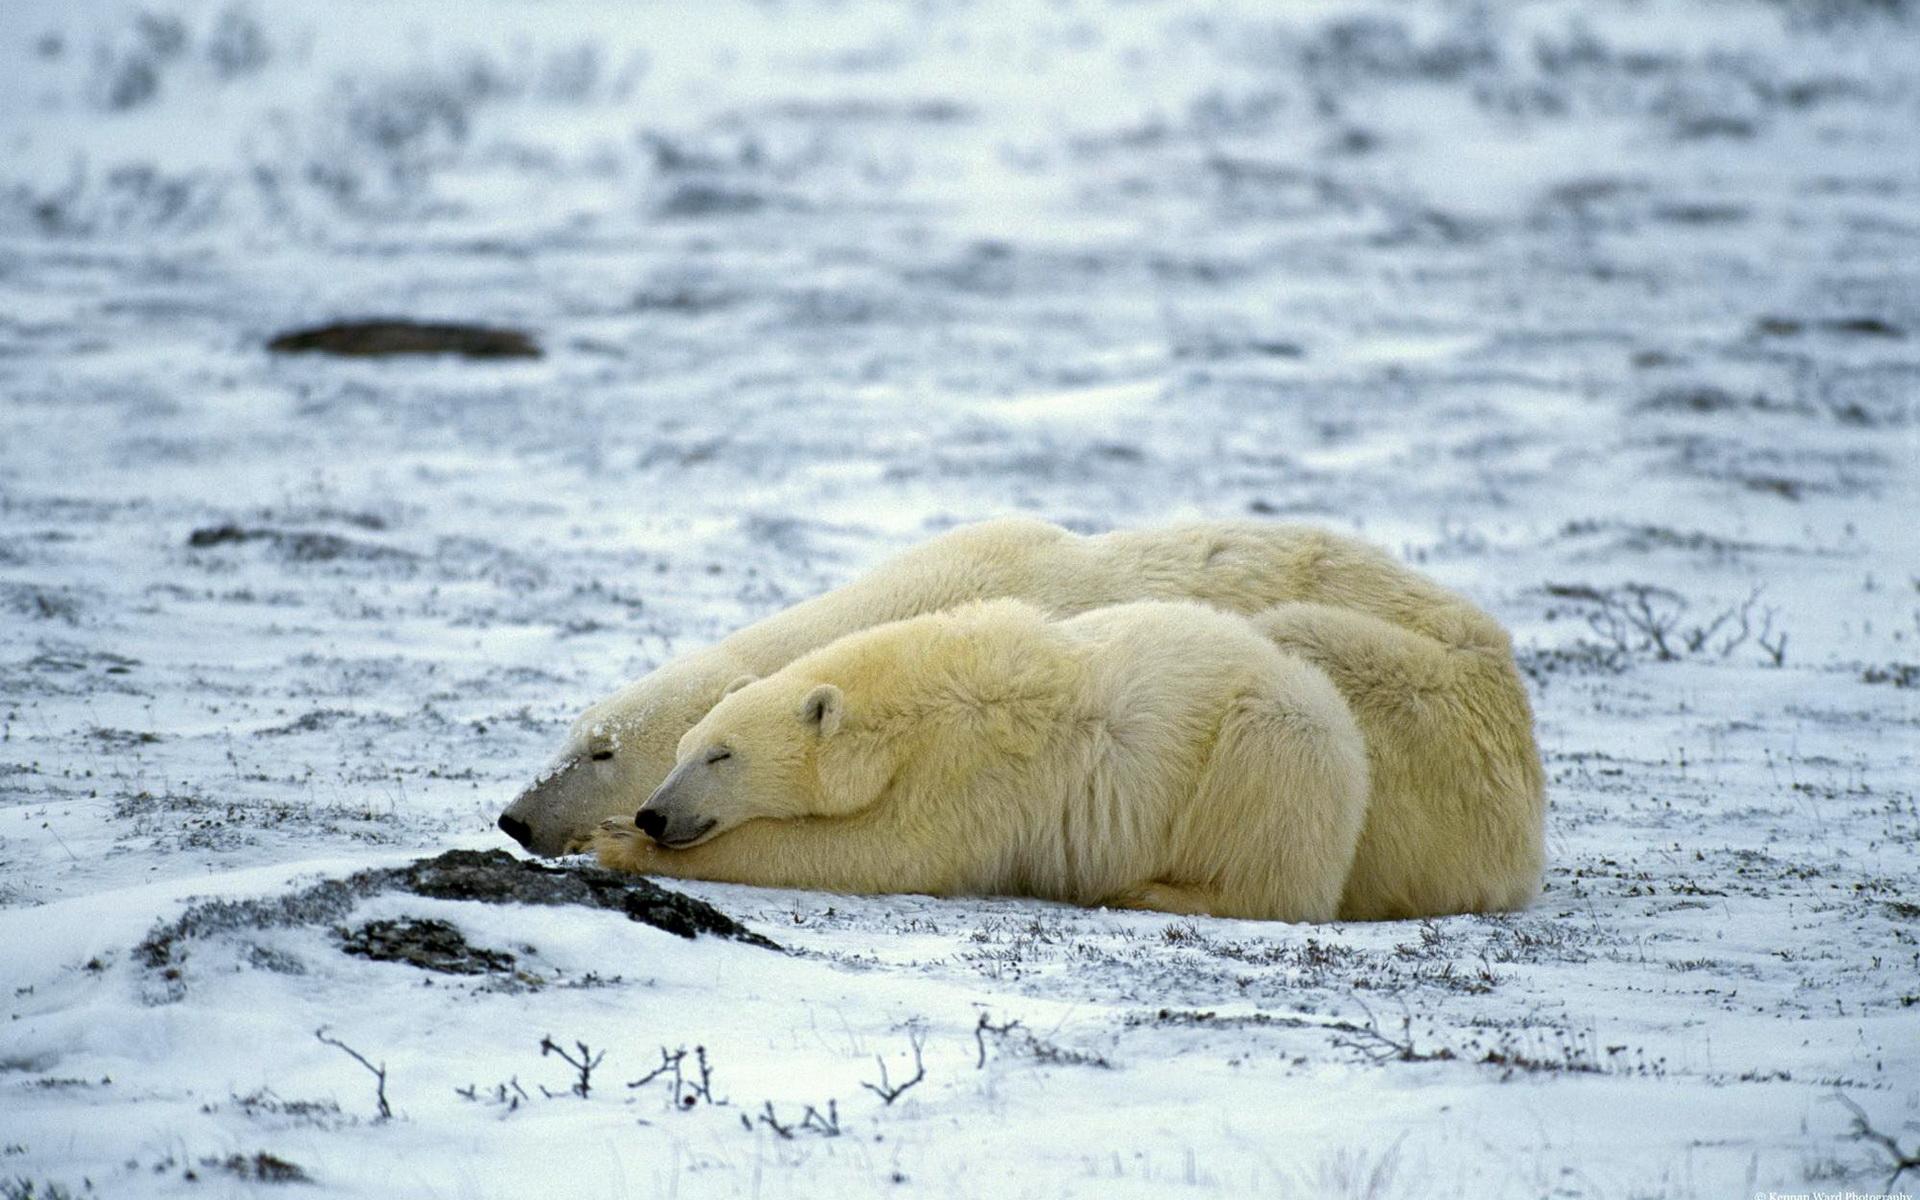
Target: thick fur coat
[(622, 748), (1157, 755)]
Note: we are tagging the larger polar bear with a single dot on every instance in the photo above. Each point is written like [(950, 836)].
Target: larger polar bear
[(1410, 655), (1151, 755)]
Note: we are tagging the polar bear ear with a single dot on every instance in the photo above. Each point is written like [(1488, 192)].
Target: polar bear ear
[(823, 708), (737, 684)]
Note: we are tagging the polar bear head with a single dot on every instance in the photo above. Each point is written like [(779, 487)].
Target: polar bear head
[(934, 697), (615, 755), (772, 749)]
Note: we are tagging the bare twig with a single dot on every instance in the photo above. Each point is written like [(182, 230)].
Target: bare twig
[(1696, 638), (826, 1126), (686, 1092), (509, 1093), (1738, 638), (668, 1062), (1864, 1131), (886, 1089), (1376, 1046), (980, 1031), (1653, 624), (703, 1089), (1637, 618), (1776, 647), (379, 1073), (583, 1066), (771, 1122), (1027, 1043)]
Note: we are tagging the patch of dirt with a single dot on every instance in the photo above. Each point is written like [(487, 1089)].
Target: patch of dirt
[(259, 1168), (485, 876), (40, 603), (428, 944), (1899, 674), (1844, 326), (496, 877), (1645, 537), (293, 545), (309, 722), (390, 337)]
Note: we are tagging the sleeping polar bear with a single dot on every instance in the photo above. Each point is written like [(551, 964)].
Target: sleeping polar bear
[(1411, 659)]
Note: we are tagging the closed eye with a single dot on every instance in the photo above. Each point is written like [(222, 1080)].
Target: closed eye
[(602, 755), (715, 756)]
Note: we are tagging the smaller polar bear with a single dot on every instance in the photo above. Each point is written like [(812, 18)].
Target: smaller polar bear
[(1159, 755)]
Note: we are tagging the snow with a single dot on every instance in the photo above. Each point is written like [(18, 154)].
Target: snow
[(1551, 300)]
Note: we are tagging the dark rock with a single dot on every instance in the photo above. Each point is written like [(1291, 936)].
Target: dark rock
[(1866, 327), (386, 338), (1846, 326), (699, 199), (220, 535)]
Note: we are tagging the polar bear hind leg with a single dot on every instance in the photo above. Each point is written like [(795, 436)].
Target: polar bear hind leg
[(1457, 804), (1274, 824)]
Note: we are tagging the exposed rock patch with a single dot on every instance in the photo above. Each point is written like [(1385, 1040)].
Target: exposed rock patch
[(428, 944), (485, 876), (388, 338), (300, 546)]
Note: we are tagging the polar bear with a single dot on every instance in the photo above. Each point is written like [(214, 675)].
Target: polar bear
[(621, 748), (1456, 810), (1149, 755)]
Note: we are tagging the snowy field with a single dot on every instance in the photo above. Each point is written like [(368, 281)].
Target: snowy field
[(1608, 314)]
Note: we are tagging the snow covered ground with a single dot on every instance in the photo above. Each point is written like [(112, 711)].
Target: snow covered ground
[(1608, 314)]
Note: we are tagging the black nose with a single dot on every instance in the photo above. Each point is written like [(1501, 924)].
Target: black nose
[(651, 821), (516, 829)]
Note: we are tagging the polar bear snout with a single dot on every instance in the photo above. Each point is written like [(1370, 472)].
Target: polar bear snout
[(674, 830), (516, 829), (673, 816)]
